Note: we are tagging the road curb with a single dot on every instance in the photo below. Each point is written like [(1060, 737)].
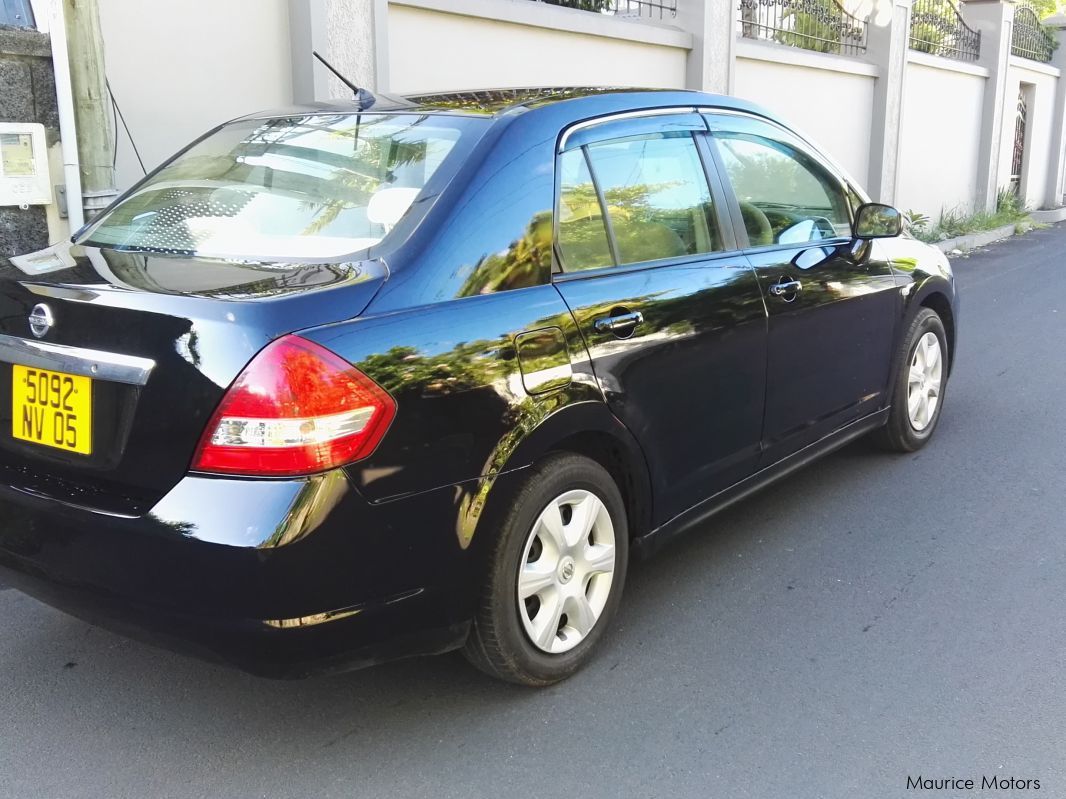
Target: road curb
[(1048, 217), (986, 237), (974, 240)]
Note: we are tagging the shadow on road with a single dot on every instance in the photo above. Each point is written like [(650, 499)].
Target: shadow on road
[(656, 607)]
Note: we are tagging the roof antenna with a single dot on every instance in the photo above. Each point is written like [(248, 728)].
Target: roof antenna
[(363, 98)]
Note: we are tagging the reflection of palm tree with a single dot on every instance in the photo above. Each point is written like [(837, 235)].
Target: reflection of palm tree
[(283, 157), (277, 282), (758, 173), (524, 263), (467, 365), (169, 526), (310, 507), (491, 101), (583, 236), (385, 155)]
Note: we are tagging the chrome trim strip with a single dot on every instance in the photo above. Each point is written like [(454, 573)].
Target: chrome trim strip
[(707, 109), (736, 112), (645, 112), (76, 360), (40, 495)]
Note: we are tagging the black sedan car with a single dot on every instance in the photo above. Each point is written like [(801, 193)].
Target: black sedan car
[(346, 383)]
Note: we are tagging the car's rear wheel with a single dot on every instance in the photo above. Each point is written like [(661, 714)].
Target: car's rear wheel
[(918, 393), (555, 576)]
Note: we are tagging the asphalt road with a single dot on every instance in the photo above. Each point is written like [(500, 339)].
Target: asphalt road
[(873, 617)]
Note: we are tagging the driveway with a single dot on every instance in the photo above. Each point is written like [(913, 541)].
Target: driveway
[(873, 617)]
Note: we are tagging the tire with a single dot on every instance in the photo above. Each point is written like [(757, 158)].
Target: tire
[(531, 540), (902, 433)]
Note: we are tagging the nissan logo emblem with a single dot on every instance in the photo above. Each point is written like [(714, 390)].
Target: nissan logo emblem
[(41, 320)]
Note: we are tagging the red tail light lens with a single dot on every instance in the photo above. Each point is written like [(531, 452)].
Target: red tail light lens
[(297, 408)]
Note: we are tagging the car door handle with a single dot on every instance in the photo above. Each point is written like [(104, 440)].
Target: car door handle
[(620, 323), (785, 287)]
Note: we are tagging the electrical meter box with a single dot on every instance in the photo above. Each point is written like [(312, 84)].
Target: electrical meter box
[(24, 165)]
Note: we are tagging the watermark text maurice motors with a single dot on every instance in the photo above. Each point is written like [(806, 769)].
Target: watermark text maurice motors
[(982, 783)]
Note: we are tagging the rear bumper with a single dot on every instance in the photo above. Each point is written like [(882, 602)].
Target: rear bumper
[(280, 578)]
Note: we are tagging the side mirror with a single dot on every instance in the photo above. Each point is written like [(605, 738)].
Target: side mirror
[(877, 221)]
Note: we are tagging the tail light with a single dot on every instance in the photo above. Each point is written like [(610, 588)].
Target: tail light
[(297, 408)]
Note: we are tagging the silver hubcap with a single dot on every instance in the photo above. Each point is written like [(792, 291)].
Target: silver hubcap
[(567, 570), (923, 381)]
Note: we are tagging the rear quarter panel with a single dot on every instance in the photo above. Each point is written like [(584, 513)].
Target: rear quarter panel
[(462, 406)]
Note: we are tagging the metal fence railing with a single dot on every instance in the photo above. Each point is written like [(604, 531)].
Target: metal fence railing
[(644, 9), (1030, 39), (1017, 160), (820, 25), (938, 28)]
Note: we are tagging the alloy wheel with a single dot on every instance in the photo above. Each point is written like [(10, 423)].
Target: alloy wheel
[(566, 571), (924, 381)]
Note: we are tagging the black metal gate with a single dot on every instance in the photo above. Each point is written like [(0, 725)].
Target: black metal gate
[(1018, 157)]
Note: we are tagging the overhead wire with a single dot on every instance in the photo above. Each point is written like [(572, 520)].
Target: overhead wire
[(118, 115)]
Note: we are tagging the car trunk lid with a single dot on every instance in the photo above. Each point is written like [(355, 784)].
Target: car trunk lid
[(160, 338)]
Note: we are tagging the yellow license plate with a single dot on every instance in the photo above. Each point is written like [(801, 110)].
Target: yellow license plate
[(52, 408)]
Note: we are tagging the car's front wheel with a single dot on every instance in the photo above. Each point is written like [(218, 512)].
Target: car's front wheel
[(921, 377), (555, 576)]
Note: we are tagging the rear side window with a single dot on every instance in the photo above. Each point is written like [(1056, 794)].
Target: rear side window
[(582, 233), (785, 197), (657, 200)]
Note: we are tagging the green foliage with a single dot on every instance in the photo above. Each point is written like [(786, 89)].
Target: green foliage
[(809, 30), (1008, 202), (931, 26), (764, 175), (1009, 211), (524, 263), (583, 5), (1044, 8), (916, 222), (1031, 38)]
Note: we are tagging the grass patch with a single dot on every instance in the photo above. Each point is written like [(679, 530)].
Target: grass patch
[(953, 223)]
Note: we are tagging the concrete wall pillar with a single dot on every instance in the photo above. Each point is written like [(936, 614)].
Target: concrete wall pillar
[(351, 34), (28, 94), (995, 20), (1057, 155), (712, 24), (887, 48)]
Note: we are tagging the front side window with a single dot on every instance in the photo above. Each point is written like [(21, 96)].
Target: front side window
[(785, 197), (316, 186), (656, 196)]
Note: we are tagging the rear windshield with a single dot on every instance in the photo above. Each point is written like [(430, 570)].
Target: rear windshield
[(296, 187)]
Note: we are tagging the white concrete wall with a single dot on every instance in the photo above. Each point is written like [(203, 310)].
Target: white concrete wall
[(941, 126), (350, 29), (180, 67), (1040, 123), (834, 108), (431, 50)]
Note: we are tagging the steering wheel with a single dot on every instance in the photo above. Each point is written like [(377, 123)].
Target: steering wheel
[(760, 232)]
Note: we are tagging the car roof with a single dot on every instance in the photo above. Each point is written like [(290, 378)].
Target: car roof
[(508, 101), (501, 101)]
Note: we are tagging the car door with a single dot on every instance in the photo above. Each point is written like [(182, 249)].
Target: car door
[(832, 304), (671, 312)]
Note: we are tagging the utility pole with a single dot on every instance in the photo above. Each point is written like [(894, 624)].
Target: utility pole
[(92, 106)]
